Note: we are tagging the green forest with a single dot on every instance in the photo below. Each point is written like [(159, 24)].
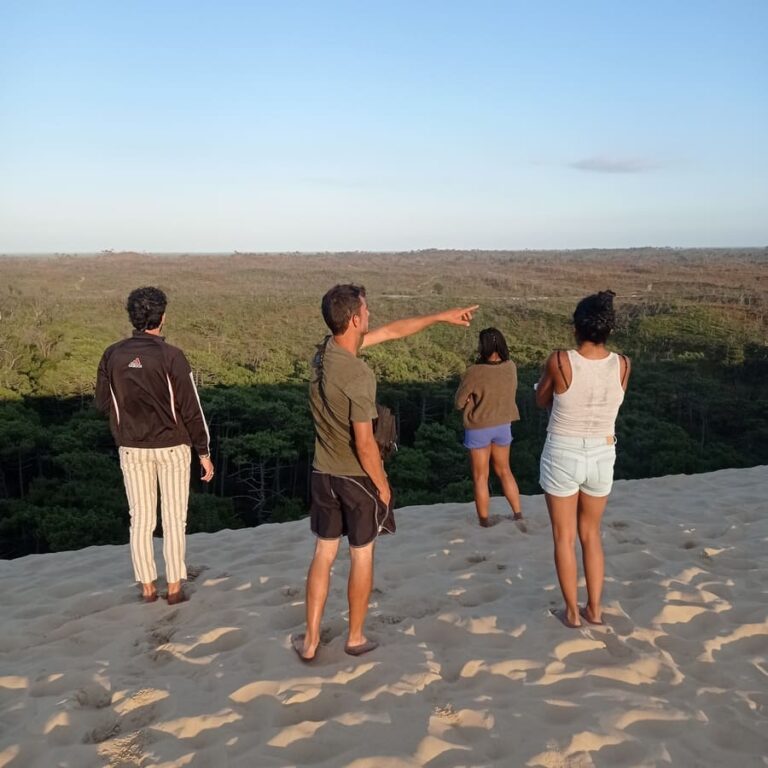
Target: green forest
[(693, 321)]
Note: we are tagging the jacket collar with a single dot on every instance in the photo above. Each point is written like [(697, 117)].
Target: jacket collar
[(145, 335)]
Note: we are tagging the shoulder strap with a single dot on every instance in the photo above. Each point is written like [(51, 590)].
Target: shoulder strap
[(562, 373), (320, 358), (626, 369)]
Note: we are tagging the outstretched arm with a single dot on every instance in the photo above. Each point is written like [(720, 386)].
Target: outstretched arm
[(410, 325)]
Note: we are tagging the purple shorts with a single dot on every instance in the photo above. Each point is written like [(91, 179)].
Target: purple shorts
[(482, 438)]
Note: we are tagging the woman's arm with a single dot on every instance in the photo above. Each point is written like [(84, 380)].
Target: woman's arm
[(464, 392), (545, 389)]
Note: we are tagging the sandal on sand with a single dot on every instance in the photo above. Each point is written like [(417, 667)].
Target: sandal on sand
[(297, 641), (359, 650), (585, 616), (174, 598)]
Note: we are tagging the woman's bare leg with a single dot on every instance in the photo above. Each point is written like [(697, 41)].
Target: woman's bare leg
[(590, 514), (500, 460), (479, 460), (563, 514)]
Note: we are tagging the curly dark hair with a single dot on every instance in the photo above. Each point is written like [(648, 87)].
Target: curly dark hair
[(492, 340), (340, 304), (595, 318), (146, 307)]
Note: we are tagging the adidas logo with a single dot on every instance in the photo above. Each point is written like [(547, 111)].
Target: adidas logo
[(135, 363)]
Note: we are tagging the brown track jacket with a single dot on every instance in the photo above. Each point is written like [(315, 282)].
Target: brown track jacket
[(146, 388)]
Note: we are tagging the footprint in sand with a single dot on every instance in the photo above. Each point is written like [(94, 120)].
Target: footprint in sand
[(481, 595), (614, 645), (218, 641), (287, 617), (105, 730), (58, 683), (94, 696), (193, 571), (160, 635), (388, 619)]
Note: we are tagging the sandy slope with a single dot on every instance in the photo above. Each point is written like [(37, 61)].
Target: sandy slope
[(472, 671)]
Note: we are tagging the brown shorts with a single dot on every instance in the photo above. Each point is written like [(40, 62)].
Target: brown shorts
[(348, 506)]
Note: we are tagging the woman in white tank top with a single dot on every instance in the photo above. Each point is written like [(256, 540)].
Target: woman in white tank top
[(584, 387)]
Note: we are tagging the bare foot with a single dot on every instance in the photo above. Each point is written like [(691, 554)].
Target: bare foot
[(305, 651), (593, 618)]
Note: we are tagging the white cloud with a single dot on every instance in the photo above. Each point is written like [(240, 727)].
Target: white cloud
[(607, 164)]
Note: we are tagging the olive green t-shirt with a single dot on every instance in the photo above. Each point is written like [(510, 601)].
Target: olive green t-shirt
[(349, 386)]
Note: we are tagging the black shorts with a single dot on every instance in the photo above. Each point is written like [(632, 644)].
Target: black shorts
[(346, 506)]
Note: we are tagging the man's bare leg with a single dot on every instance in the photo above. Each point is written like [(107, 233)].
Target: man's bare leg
[(479, 459), (359, 589), (591, 510), (562, 513), (500, 460), (318, 581)]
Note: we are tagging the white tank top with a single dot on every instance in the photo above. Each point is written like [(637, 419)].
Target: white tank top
[(589, 406)]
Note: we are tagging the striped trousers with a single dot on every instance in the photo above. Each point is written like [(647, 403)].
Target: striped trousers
[(143, 469)]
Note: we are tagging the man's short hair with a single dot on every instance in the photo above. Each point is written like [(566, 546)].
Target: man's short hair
[(340, 304), (146, 307)]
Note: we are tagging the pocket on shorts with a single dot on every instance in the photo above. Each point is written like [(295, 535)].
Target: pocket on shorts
[(562, 464), (605, 464)]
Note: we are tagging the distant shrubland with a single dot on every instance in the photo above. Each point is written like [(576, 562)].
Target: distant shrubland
[(694, 322)]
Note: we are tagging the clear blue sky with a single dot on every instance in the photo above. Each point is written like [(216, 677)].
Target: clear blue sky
[(282, 125)]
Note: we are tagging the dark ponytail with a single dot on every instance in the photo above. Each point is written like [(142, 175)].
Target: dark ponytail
[(492, 340)]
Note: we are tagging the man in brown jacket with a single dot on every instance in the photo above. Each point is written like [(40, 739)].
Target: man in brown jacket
[(147, 389)]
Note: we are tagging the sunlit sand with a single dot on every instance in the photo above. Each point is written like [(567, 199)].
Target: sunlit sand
[(472, 670)]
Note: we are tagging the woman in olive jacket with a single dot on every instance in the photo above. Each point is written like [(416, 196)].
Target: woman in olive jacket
[(486, 395)]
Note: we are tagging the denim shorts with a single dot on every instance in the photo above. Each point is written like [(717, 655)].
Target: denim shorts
[(571, 464), (482, 438)]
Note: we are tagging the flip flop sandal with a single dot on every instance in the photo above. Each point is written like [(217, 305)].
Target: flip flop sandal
[(359, 650)]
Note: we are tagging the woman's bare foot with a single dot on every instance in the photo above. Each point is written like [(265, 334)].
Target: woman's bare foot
[(595, 617)]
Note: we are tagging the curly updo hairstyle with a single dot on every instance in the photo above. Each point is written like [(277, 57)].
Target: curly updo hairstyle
[(492, 340), (146, 307), (594, 318)]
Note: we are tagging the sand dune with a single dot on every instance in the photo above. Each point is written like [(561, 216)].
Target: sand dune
[(473, 670)]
